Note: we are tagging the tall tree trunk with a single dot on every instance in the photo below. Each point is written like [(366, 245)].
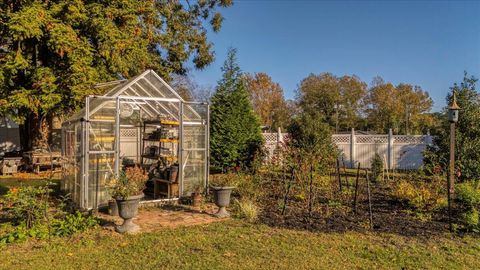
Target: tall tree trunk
[(34, 133)]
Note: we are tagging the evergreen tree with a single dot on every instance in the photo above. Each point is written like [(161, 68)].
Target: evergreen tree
[(53, 52), (467, 159), (235, 130)]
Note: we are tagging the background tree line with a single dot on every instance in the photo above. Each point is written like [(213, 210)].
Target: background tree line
[(344, 102)]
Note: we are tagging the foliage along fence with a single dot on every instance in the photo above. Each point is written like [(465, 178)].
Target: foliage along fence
[(403, 152)]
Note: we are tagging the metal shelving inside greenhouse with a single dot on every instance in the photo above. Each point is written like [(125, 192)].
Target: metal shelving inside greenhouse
[(141, 121)]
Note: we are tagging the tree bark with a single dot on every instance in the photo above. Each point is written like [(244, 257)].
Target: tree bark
[(34, 133)]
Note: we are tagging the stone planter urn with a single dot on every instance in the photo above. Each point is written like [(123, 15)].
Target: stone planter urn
[(128, 209), (221, 197), (112, 208)]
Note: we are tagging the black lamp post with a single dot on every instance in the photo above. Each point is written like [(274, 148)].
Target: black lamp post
[(453, 111)]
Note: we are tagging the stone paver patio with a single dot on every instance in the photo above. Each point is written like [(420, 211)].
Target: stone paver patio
[(171, 216)]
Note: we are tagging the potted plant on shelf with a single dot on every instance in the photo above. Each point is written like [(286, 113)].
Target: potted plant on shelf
[(222, 186), (127, 189), (198, 189)]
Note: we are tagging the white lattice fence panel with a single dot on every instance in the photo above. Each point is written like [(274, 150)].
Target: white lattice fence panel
[(129, 143), (407, 150), (409, 139), (372, 139), (128, 132), (272, 141), (270, 138), (341, 139)]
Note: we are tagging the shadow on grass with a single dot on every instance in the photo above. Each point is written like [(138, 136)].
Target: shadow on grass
[(3, 189)]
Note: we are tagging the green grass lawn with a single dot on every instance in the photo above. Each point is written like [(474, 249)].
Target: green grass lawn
[(237, 245)]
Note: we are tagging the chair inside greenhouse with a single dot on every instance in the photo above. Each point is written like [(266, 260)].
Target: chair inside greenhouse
[(138, 122)]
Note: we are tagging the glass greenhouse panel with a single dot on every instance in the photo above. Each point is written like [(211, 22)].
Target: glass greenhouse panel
[(101, 169), (194, 171), (138, 122)]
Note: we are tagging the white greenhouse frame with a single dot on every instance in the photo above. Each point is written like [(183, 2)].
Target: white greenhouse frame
[(91, 159)]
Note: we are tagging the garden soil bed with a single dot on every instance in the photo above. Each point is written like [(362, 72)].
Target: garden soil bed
[(389, 216)]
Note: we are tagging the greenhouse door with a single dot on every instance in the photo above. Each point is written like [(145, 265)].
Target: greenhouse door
[(101, 157), (194, 145)]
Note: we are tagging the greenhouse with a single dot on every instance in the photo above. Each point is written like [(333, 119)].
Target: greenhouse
[(141, 121)]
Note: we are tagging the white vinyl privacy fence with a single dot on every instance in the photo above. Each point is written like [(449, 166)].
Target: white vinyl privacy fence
[(398, 151)]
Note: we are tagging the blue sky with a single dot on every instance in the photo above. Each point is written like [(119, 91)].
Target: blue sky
[(425, 43)]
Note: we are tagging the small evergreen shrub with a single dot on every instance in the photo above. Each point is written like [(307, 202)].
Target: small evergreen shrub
[(377, 167)]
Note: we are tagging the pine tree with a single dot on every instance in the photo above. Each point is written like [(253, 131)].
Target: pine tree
[(53, 52), (235, 129)]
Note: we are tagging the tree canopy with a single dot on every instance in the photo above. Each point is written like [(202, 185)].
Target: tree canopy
[(346, 102), (404, 108), (268, 101), (234, 127), (338, 99), (53, 52), (467, 134)]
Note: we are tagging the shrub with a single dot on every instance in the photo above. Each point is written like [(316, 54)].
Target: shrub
[(20, 233), (468, 193), (130, 182), (246, 185), (472, 220), (418, 196), (27, 205), (405, 191), (377, 167), (28, 208), (224, 179), (246, 209), (73, 223)]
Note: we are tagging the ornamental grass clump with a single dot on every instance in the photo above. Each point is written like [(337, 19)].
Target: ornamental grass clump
[(130, 182), (246, 209)]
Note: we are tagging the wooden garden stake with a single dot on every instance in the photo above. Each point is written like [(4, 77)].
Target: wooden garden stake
[(369, 200), (338, 175), (345, 173), (285, 198), (385, 162), (356, 190), (310, 195)]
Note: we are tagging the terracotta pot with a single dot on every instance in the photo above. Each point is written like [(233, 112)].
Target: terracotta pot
[(197, 199), (221, 197), (128, 209), (173, 173)]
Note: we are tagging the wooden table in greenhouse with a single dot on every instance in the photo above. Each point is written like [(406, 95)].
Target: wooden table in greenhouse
[(164, 187)]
